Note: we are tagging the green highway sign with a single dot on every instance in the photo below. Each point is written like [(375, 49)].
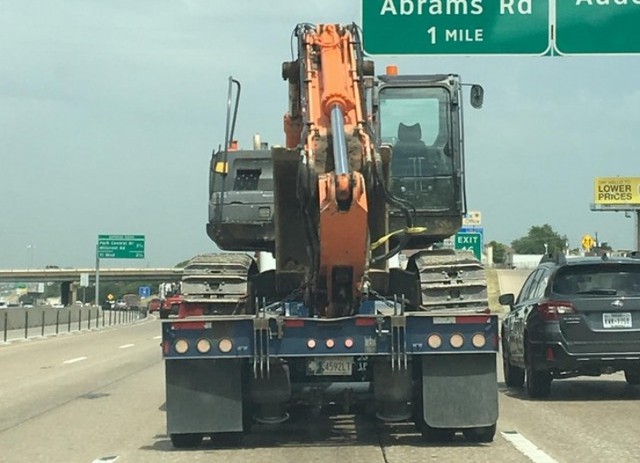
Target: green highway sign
[(470, 242), (120, 247), (598, 26), (450, 27)]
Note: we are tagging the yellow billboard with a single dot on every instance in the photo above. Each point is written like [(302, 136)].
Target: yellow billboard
[(617, 191)]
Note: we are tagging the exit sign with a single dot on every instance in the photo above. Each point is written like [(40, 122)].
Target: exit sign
[(456, 27), (470, 242)]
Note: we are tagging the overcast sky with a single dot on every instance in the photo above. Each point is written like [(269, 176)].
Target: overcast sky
[(109, 111)]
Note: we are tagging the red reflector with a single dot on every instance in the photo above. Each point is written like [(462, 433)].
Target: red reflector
[(294, 323), (165, 347), (188, 326), (366, 321), (473, 319), (550, 354)]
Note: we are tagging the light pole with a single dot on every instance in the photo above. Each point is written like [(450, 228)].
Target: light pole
[(31, 248)]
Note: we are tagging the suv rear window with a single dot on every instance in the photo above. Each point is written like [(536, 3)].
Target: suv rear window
[(598, 279)]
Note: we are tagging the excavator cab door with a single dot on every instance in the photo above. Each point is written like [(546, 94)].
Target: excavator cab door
[(419, 117)]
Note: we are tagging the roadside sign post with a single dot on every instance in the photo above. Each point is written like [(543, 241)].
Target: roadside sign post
[(97, 278)]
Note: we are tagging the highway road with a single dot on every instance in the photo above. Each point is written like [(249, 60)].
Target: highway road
[(98, 396)]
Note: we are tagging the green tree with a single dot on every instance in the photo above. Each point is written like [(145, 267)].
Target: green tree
[(538, 236), (499, 252)]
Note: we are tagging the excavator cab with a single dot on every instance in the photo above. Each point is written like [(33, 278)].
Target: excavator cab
[(420, 118)]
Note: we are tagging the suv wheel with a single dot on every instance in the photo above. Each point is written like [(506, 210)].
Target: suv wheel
[(538, 382), (513, 376), (632, 377)]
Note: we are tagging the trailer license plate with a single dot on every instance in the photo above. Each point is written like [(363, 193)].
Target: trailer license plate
[(330, 366), (616, 320)]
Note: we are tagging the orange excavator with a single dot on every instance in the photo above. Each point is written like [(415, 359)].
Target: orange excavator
[(337, 284)]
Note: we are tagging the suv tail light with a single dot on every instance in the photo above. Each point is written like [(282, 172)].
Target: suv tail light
[(551, 310)]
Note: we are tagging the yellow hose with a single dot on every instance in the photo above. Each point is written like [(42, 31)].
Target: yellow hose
[(408, 231)]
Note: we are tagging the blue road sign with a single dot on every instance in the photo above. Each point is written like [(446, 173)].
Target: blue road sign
[(144, 291)]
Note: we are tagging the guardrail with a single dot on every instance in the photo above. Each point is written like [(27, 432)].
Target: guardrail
[(21, 323)]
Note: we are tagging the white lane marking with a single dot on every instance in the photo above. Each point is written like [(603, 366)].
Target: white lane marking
[(126, 346), (157, 337), (77, 359), (106, 459), (528, 448)]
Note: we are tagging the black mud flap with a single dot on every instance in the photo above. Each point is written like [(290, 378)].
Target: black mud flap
[(460, 390), (203, 396)]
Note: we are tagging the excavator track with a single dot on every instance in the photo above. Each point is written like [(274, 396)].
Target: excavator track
[(450, 280), (219, 281)]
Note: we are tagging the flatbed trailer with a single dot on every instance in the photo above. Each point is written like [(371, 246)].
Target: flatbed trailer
[(438, 370)]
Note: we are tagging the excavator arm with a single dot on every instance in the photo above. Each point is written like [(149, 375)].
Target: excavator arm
[(326, 129)]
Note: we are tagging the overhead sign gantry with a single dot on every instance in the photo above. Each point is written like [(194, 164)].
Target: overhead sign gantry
[(501, 27)]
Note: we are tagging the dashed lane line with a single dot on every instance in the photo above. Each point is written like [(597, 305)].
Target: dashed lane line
[(126, 346), (77, 359), (107, 459), (527, 448)]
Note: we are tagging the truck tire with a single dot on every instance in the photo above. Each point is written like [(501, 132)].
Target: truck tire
[(480, 434), (434, 435), (184, 441), (537, 382)]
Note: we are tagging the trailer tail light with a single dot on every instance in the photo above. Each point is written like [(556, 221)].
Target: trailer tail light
[(330, 343), (311, 343), (434, 341), (203, 346), (348, 343), (477, 319), (478, 340), (456, 340), (181, 346), (225, 345), (551, 310)]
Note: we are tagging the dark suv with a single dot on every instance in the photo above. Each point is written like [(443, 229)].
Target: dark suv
[(573, 317)]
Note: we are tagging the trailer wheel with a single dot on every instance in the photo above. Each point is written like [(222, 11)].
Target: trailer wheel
[(430, 434), (184, 441), (480, 434)]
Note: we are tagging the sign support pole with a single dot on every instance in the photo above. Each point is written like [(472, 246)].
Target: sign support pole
[(97, 277), (638, 230)]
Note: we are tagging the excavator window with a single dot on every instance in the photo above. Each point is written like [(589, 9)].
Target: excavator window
[(416, 122)]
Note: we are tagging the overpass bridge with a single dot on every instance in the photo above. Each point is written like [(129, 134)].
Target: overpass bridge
[(69, 279), (73, 275)]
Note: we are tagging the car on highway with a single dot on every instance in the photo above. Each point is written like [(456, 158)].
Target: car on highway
[(154, 304), (573, 317)]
